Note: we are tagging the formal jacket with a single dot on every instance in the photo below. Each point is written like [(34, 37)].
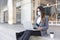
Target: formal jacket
[(44, 25)]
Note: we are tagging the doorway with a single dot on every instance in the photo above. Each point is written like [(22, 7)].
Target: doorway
[(5, 16), (18, 16)]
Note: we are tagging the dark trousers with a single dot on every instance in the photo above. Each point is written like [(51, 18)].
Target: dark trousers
[(26, 34)]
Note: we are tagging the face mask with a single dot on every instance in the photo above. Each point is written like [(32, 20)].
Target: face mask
[(39, 13), (38, 9)]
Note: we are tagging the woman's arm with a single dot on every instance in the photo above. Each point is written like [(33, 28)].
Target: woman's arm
[(45, 27)]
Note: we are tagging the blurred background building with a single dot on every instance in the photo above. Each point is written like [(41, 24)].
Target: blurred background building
[(24, 11)]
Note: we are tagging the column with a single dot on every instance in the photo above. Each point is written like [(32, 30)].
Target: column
[(26, 14), (37, 3), (56, 12), (11, 11)]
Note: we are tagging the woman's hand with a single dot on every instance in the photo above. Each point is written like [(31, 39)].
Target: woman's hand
[(40, 28)]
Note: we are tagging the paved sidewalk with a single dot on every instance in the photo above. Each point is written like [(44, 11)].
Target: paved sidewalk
[(8, 32), (55, 29)]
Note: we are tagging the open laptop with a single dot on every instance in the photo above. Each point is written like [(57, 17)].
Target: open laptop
[(28, 26)]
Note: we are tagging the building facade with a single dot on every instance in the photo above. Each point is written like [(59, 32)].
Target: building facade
[(24, 11)]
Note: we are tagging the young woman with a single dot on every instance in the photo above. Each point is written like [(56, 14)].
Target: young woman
[(42, 27), (38, 18), (40, 15)]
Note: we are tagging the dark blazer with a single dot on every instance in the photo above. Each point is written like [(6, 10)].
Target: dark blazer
[(44, 25)]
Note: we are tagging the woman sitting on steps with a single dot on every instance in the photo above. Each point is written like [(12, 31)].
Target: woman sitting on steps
[(41, 27)]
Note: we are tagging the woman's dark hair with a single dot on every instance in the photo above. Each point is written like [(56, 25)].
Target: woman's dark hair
[(39, 7), (42, 10)]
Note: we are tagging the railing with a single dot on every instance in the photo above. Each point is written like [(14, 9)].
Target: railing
[(54, 22)]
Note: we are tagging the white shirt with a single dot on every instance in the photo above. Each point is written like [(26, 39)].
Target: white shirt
[(38, 20), (39, 13)]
